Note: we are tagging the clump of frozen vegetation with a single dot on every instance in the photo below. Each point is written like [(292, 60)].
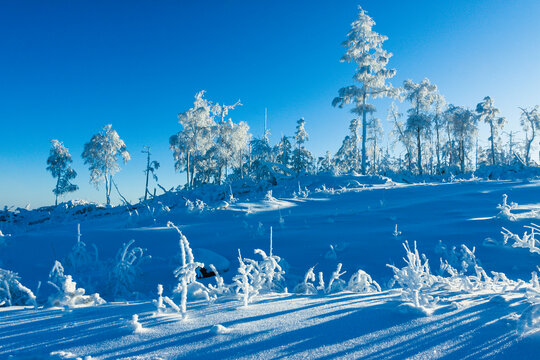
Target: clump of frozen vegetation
[(126, 269), (197, 206), (248, 281), (336, 284), (301, 193), (82, 261), (12, 292), (220, 288), (415, 280), (527, 241), (362, 282), (506, 209), (270, 270), (67, 294), (529, 321), (162, 302), (307, 287), (187, 271)]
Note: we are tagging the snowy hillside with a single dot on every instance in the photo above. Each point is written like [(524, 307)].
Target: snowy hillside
[(477, 300)]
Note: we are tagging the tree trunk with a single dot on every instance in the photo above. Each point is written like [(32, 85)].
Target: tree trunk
[(187, 170), (364, 133), (56, 192), (492, 144), (438, 151), (462, 145), (419, 149)]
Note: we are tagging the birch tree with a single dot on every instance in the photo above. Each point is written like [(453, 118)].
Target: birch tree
[(102, 154)]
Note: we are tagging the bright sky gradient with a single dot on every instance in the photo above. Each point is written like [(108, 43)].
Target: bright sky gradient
[(67, 68)]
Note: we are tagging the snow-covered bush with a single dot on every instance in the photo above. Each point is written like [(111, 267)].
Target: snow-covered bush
[(83, 262), (270, 270), (415, 279), (197, 206), (67, 294), (362, 282), (220, 288), (126, 269), (529, 321), (307, 287), (336, 284), (187, 271), (527, 241), (248, 282), (12, 292), (506, 209), (301, 193)]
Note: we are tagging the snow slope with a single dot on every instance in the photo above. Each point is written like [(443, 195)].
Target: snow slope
[(349, 221)]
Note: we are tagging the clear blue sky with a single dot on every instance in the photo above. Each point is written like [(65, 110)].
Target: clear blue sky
[(67, 68)]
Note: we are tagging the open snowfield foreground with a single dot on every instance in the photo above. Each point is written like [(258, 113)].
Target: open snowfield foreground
[(480, 300)]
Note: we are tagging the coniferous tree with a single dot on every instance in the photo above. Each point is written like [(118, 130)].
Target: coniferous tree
[(302, 158), (59, 164), (364, 48)]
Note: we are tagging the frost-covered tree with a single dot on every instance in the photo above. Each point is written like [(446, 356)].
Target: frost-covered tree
[(283, 151), (530, 121), (463, 125), (421, 96), (400, 133), (348, 155), (59, 164), (302, 158), (364, 48), (490, 114), (191, 144), (101, 154), (325, 163), (239, 145)]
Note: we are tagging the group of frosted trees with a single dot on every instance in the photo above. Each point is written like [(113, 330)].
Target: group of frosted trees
[(210, 148), (432, 136), (101, 154)]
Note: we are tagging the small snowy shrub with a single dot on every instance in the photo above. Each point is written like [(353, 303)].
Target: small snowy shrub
[(126, 269), (198, 206), (336, 284), (307, 287), (529, 321), (162, 302), (270, 270), (135, 325), (527, 241), (12, 292), (248, 281), (82, 262), (362, 282), (415, 279), (220, 288), (67, 294), (301, 193), (506, 209)]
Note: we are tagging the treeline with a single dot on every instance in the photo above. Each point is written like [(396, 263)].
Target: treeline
[(433, 137)]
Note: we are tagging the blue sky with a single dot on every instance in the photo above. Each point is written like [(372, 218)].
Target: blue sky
[(70, 67)]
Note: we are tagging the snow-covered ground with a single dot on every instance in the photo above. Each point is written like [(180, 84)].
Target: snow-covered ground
[(349, 220)]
